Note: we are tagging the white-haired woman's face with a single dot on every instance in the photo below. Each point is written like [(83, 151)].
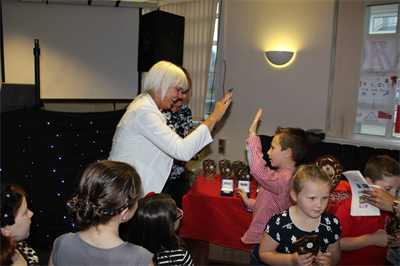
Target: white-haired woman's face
[(185, 94), (172, 97)]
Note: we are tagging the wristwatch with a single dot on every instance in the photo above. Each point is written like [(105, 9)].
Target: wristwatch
[(395, 206)]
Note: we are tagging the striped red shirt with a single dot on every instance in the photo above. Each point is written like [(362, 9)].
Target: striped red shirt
[(273, 196)]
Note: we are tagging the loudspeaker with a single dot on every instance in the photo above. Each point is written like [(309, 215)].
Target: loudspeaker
[(160, 38)]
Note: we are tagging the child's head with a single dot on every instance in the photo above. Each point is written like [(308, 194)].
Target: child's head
[(155, 223), (15, 220), (310, 187), (289, 144), (106, 189), (383, 171)]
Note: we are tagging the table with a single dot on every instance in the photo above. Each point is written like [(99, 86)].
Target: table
[(220, 220), (213, 218)]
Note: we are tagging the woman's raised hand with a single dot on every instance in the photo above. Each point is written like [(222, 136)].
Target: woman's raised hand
[(219, 110)]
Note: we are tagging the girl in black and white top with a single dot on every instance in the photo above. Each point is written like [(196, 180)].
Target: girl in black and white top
[(154, 227)]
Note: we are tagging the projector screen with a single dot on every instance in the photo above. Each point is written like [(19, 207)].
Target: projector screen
[(87, 52)]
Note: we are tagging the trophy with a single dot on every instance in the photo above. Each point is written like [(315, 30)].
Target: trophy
[(393, 227), (209, 169), (332, 167), (244, 174), (236, 166), (225, 169), (308, 244)]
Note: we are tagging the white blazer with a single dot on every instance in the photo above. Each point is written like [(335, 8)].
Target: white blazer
[(144, 140)]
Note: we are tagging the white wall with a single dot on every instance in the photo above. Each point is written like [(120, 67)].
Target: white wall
[(294, 96)]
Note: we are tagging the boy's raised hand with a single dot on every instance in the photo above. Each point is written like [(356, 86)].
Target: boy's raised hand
[(254, 125)]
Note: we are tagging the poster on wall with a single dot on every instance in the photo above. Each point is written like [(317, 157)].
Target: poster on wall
[(376, 97), (381, 52)]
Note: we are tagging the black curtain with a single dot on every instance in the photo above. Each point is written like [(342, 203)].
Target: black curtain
[(45, 153), (350, 157)]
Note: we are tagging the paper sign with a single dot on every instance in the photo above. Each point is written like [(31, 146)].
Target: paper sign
[(358, 206), (244, 184), (376, 95)]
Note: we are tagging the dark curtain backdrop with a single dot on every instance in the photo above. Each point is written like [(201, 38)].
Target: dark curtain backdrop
[(45, 153), (350, 157)]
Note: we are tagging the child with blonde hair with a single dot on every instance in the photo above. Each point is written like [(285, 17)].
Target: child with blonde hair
[(309, 189)]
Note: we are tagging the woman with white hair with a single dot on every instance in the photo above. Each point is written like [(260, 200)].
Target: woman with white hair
[(144, 140)]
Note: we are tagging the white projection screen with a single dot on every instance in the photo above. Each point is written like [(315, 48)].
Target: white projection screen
[(87, 52)]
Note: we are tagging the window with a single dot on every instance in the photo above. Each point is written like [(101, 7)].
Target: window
[(382, 19), (379, 87), (210, 99)]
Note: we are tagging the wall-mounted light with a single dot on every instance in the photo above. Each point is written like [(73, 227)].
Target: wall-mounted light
[(279, 58)]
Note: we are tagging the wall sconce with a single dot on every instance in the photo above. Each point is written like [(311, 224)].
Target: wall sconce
[(279, 57)]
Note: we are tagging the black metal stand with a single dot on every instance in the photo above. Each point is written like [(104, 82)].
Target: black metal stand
[(36, 53)]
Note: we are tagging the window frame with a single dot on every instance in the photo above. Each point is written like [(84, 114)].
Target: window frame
[(389, 127)]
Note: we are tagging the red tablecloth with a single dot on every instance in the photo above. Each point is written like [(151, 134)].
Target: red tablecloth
[(217, 219)]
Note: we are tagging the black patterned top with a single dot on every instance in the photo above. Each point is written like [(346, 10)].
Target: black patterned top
[(180, 122), (283, 230), (175, 257), (28, 253)]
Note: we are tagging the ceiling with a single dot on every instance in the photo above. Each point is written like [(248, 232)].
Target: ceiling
[(111, 3)]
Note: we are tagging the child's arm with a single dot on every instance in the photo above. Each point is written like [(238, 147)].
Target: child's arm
[(380, 239), (269, 255), (241, 193), (275, 182), (249, 203), (51, 259), (254, 125), (332, 257)]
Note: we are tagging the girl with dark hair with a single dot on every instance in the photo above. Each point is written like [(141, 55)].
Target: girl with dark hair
[(107, 196), (154, 227), (15, 225)]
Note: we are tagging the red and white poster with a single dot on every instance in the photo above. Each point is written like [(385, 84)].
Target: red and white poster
[(376, 97)]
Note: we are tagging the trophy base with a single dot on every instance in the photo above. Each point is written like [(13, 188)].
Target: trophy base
[(227, 193), (209, 177)]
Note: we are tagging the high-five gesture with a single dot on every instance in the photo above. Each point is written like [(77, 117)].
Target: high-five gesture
[(254, 125), (219, 110)]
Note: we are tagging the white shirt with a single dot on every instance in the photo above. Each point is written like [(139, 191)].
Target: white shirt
[(143, 140)]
